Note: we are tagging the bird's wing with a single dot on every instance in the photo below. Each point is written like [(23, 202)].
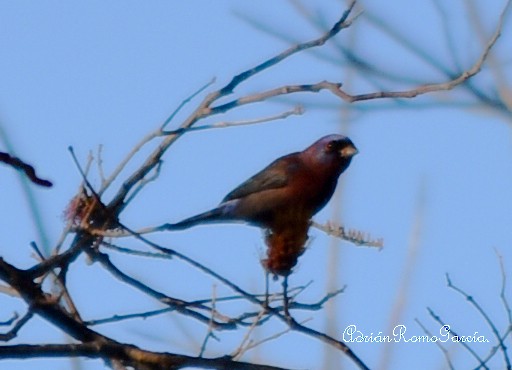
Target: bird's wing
[(275, 175)]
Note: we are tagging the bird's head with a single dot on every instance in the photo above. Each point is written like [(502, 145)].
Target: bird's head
[(336, 150)]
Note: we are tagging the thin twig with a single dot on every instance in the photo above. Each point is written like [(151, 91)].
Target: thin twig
[(9, 322), (446, 354), (210, 333), (486, 317), (500, 80), (342, 23), (14, 330), (298, 110), (455, 79), (320, 304), (117, 318), (134, 252), (106, 184), (185, 102), (179, 305), (58, 279), (446, 22), (145, 181), (242, 348), (503, 296), (99, 162), (452, 332)]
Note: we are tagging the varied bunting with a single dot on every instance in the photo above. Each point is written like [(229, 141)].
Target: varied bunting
[(283, 197)]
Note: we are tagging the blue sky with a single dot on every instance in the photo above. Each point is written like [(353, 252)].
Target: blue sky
[(108, 73)]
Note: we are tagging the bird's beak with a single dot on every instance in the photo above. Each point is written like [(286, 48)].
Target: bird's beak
[(349, 151)]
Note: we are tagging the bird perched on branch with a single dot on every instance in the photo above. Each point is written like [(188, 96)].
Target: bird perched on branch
[(282, 198)]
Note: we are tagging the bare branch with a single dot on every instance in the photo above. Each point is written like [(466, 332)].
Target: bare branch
[(29, 171), (204, 109), (446, 354), (486, 317), (342, 23), (60, 281), (9, 322), (209, 333), (251, 298), (246, 346), (90, 236), (242, 347), (99, 162), (152, 135), (94, 344), (127, 355), (8, 291), (341, 346), (140, 315), (145, 181), (185, 102), (178, 304), (503, 296), (14, 331), (437, 318), (455, 81), (298, 110)]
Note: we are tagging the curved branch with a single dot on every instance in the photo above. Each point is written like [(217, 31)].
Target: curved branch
[(29, 171)]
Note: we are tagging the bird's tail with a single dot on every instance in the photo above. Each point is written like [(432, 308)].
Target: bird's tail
[(219, 214)]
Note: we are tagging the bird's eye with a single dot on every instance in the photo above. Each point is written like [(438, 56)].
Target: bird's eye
[(331, 145)]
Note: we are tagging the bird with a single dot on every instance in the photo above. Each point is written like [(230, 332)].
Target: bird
[(295, 186), (282, 198)]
